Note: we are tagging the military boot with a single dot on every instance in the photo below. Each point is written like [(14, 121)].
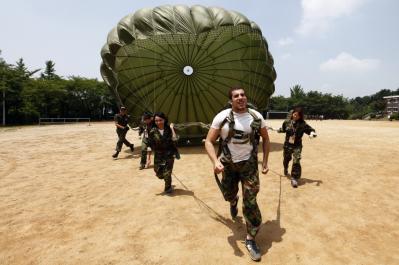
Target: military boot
[(116, 154), (168, 190)]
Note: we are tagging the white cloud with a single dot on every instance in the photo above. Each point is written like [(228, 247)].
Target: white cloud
[(285, 56), (346, 62), (285, 41), (317, 15), (326, 86)]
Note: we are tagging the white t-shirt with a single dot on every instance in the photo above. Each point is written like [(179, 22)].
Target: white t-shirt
[(240, 147)]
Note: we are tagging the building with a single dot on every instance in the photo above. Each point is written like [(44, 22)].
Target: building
[(392, 104)]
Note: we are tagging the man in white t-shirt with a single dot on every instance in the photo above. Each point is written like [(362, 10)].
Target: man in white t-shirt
[(240, 129)]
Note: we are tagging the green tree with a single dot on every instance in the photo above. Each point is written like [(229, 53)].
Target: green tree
[(89, 98), (13, 78), (4, 68), (49, 71), (297, 96), (278, 103)]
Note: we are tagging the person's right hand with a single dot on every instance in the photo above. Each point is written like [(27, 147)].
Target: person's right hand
[(313, 135), (218, 167)]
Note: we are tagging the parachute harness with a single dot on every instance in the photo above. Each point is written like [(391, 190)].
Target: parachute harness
[(254, 138)]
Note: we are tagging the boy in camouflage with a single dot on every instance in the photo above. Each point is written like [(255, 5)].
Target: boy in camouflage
[(121, 122), (294, 127)]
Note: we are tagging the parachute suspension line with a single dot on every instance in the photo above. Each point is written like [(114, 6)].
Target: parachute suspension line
[(242, 75), (262, 48), (141, 90), (224, 52), (255, 71), (131, 85), (249, 63), (127, 85), (174, 21), (253, 54), (153, 83), (257, 76)]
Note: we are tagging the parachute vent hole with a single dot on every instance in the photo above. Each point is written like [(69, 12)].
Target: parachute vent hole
[(188, 70)]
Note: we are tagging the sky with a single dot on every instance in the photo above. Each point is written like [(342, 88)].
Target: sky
[(342, 47)]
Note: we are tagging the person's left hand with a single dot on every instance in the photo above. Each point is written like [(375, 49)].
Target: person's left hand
[(172, 125)]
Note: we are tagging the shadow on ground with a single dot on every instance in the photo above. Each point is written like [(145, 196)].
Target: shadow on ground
[(271, 231), (236, 226), (303, 181)]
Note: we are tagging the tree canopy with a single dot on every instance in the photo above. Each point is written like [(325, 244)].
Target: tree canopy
[(331, 106), (48, 95), (27, 98)]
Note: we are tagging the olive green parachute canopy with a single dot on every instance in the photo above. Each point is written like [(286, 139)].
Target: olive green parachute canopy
[(183, 61)]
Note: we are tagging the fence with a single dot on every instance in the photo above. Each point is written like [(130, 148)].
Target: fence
[(276, 115), (43, 121)]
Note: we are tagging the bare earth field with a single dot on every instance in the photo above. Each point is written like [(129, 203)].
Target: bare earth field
[(64, 200)]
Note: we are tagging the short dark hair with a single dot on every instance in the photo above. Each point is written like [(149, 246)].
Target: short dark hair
[(147, 115), (234, 88)]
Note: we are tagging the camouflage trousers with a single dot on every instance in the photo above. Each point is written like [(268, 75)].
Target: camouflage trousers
[(121, 139), (293, 152), (144, 147), (163, 166), (246, 172)]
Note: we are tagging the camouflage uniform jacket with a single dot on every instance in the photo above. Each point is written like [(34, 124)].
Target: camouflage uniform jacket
[(144, 129), (297, 128), (122, 120), (162, 145)]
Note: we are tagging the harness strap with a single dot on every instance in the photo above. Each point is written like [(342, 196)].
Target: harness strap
[(254, 135)]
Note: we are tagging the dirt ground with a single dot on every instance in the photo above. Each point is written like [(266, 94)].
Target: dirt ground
[(64, 200)]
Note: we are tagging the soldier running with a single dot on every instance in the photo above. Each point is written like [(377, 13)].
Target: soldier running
[(294, 127), (147, 123), (240, 129), (121, 121), (162, 141)]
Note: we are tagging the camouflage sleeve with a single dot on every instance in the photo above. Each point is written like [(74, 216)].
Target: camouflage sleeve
[(141, 130), (151, 141), (283, 128), (308, 129)]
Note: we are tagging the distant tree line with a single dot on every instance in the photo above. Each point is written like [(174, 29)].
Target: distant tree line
[(332, 106), (26, 98)]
